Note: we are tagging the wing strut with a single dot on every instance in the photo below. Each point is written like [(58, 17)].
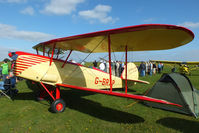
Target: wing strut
[(37, 51), (67, 58), (51, 59), (48, 91), (43, 50), (109, 54), (126, 69)]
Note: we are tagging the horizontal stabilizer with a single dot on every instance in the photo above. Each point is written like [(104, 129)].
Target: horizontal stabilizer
[(140, 81)]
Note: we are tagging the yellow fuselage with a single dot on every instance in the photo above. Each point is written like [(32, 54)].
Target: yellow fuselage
[(38, 68)]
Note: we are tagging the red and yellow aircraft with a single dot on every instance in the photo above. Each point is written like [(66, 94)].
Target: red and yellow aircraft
[(184, 69), (51, 71)]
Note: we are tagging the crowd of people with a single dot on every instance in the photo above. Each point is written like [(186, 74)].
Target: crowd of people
[(116, 67), (150, 68), (145, 68)]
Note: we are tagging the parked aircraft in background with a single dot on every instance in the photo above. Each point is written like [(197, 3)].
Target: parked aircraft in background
[(184, 66)]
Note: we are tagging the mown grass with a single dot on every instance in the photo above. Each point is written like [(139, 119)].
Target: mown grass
[(91, 113)]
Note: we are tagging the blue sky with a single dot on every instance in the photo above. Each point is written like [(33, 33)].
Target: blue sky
[(25, 23)]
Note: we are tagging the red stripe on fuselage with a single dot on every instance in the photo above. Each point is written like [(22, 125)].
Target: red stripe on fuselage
[(21, 64), (16, 67), (31, 58), (30, 61), (25, 62)]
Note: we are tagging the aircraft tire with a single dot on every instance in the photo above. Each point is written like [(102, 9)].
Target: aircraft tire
[(58, 106)]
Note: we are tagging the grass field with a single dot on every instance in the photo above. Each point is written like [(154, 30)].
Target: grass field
[(92, 113)]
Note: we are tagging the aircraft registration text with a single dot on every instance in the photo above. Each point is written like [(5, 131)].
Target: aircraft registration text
[(104, 81)]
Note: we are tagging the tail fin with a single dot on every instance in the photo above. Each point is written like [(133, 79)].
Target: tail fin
[(132, 72)]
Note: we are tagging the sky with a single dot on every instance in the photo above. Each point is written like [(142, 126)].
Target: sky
[(25, 23)]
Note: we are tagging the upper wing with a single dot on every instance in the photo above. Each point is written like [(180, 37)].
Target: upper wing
[(176, 62), (136, 38)]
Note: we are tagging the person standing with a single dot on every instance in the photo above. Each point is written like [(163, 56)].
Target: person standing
[(4, 70), (95, 64), (120, 68), (159, 67), (154, 68), (162, 66), (173, 69), (12, 65), (150, 69), (142, 69), (102, 66), (117, 65), (107, 66), (146, 67), (113, 67)]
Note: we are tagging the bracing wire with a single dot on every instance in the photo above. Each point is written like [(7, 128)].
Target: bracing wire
[(89, 55), (93, 49)]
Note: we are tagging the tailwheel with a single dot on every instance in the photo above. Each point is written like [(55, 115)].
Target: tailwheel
[(58, 106)]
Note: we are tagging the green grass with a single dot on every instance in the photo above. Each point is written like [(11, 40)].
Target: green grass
[(91, 113)]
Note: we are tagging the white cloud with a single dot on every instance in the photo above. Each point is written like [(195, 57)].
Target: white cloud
[(190, 24), (28, 10), (99, 13), (61, 7), (10, 32), (13, 1)]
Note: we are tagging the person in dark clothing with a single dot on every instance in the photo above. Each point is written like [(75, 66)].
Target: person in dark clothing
[(173, 69), (8, 85), (95, 63), (142, 69), (154, 68)]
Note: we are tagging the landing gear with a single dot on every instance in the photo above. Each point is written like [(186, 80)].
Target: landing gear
[(58, 106)]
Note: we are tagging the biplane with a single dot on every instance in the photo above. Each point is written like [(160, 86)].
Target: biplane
[(184, 67), (50, 71)]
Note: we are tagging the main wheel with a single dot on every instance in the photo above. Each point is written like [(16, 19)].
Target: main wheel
[(58, 106)]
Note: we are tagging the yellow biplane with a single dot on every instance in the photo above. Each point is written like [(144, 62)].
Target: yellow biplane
[(49, 71), (183, 66)]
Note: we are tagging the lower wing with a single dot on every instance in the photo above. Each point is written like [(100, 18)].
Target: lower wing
[(132, 96)]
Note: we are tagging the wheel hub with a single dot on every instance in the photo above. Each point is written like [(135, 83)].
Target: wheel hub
[(59, 106)]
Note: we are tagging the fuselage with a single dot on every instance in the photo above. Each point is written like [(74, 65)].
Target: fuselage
[(38, 68)]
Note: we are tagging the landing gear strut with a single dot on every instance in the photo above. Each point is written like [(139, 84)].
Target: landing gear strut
[(58, 105)]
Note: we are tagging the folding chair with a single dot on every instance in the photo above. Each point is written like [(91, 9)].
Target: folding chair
[(6, 88), (3, 91)]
